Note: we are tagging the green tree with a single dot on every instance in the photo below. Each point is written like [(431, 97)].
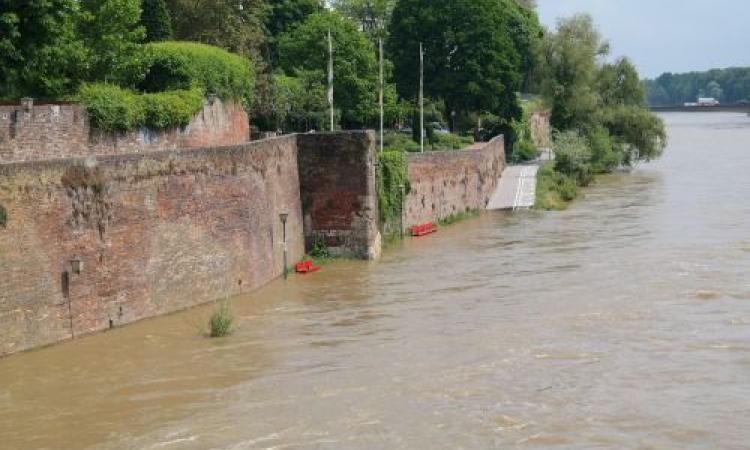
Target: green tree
[(472, 62), (235, 25), (112, 34), (568, 69), (287, 14), (373, 16), (41, 54), (641, 131), (155, 19), (355, 65), (729, 85), (714, 90), (620, 84), (284, 16)]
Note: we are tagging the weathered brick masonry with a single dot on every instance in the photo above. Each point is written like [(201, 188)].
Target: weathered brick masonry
[(155, 233), (103, 241), (451, 182), (337, 176), (30, 132), (97, 242)]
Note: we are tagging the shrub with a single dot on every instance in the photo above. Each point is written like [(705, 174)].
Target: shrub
[(641, 131), (451, 141), (524, 150), (173, 108), (221, 322), (399, 142), (112, 108), (320, 250), (187, 65), (554, 189), (606, 153), (393, 173), (115, 109), (573, 156)]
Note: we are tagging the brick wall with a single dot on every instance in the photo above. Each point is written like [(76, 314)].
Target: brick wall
[(337, 177), (447, 183), (53, 131), (155, 233)]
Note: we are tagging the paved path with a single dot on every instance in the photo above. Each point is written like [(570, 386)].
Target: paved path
[(516, 189)]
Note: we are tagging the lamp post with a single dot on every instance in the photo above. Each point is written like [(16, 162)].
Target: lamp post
[(284, 215), (402, 187)]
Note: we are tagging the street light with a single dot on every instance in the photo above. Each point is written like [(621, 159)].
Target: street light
[(402, 187), (284, 215)]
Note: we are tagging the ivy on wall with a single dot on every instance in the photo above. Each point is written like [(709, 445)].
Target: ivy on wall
[(393, 173)]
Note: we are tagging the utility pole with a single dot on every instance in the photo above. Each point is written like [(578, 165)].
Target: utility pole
[(330, 75), (421, 98), (382, 84)]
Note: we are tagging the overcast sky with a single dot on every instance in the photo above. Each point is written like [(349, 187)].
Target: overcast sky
[(667, 35)]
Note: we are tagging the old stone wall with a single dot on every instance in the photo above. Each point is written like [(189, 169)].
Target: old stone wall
[(447, 183), (541, 131), (99, 242), (35, 132), (339, 202)]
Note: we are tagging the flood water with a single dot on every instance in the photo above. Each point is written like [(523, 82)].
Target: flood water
[(623, 322)]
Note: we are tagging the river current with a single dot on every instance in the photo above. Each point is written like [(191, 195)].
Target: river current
[(623, 323)]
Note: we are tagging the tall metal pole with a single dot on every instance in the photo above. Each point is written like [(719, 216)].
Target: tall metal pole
[(382, 84), (286, 257), (284, 215), (421, 98), (330, 75)]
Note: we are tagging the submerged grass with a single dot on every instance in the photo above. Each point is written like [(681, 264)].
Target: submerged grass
[(554, 189), (221, 323), (459, 217)]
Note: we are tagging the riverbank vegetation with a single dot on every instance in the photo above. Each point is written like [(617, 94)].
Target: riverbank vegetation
[(598, 111), (116, 58), (729, 86)]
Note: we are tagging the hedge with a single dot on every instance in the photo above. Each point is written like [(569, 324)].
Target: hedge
[(169, 81), (185, 65), (112, 108)]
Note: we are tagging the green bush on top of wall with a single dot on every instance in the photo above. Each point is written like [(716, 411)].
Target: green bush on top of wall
[(112, 108), (166, 86), (184, 65)]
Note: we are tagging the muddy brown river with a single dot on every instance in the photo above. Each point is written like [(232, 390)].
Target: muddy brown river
[(622, 323)]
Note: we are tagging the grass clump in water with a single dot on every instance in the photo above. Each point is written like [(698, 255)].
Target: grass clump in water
[(554, 189), (221, 323), (458, 217)]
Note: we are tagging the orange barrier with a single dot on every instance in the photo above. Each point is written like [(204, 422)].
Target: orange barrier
[(306, 267), (423, 230)]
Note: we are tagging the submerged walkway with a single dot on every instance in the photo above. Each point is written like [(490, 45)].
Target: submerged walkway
[(516, 189)]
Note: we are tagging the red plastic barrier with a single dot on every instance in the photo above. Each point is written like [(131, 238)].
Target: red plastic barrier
[(306, 267), (423, 230)]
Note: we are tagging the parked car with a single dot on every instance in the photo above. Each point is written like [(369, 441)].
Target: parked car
[(438, 128)]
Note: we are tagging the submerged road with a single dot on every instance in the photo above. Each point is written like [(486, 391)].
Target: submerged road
[(516, 189)]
